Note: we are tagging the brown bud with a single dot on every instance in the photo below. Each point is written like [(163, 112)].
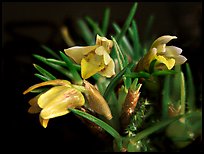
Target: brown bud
[(96, 101)]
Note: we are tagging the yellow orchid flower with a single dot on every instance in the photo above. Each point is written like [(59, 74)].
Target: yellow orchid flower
[(94, 59), (167, 56), (56, 101)]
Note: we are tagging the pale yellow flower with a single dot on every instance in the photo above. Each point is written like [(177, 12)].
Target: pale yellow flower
[(55, 101), (94, 59), (166, 56)]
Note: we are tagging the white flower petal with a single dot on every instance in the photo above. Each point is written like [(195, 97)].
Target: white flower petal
[(180, 59), (172, 51), (162, 40)]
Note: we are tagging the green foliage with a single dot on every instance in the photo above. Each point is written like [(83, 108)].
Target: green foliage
[(168, 107)]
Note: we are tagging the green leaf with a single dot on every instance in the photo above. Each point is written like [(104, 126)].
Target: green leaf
[(105, 21), (123, 43), (183, 94), (114, 81), (153, 129), (148, 27), (51, 52), (136, 42), (140, 74), (70, 66), (42, 77), (166, 98), (85, 32), (95, 26), (97, 121), (56, 67), (127, 80), (190, 89), (46, 74), (57, 62), (127, 22), (119, 54), (163, 72)]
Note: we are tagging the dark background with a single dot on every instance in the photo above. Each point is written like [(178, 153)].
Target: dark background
[(26, 25)]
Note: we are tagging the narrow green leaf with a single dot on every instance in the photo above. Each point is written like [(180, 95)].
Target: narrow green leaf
[(70, 66), (56, 67), (51, 52), (122, 93), (46, 74), (154, 128), (114, 81), (42, 77), (152, 64), (127, 22), (190, 90), (148, 27), (119, 54), (127, 80), (123, 43), (95, 26), (183, 94), (166, 98), (57, 62), (97, 121), (105, 21), (85, 32), (62, 63), (163, 72), (136, 42), (140, 74)]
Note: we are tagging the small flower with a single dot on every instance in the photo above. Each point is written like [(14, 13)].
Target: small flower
[(55, 101), (94, 59), (166, 56), (96, 101)]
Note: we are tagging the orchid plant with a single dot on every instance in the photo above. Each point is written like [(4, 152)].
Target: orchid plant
[(129, 89)]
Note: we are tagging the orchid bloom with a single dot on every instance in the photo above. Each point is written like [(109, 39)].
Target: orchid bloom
[(56, 101), (166, 56), (94, 59)]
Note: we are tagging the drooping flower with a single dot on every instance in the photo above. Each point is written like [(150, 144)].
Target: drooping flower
[(94, 59), (55, 101), (166, 56)]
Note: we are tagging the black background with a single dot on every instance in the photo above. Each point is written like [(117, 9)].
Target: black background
[(26, 25)]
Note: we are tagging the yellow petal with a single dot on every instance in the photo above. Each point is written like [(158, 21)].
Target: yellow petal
[(43, 122), (96, 101), (101, 51), (57, 100), (50, 82), (170, 62), (162, 40), (144, 63), (109, 70), (77, 52), (91, 64)]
